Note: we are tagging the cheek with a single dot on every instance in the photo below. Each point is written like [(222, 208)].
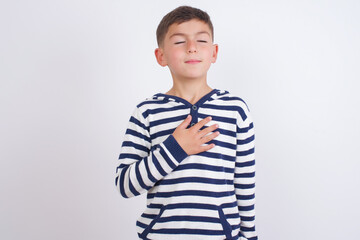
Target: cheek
[(208, 54), (206, 50), (175, 55)]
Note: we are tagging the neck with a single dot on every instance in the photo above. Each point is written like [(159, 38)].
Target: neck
[(190, 90)]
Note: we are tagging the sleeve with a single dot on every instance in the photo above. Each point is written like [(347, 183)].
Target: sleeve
[(244, 178), (140, 164)]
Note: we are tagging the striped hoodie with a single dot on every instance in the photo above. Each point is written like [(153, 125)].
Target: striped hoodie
[(206, 196)]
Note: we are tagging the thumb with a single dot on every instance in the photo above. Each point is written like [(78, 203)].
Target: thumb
[(185, 123)]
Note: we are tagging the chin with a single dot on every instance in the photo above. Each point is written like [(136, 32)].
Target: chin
[(195, 75)]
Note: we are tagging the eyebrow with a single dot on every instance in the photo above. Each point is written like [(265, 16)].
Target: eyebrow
[(183, 34)]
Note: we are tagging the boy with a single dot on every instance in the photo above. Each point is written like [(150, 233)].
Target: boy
[(191, 149)]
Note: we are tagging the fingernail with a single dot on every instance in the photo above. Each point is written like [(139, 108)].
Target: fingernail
[(210, 118), (217, 125)]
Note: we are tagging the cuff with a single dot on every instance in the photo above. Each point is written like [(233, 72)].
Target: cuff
[(175, 149)]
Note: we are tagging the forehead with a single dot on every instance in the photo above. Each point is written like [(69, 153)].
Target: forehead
[(192, 27)]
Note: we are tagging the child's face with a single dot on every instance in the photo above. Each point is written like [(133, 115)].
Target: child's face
[(187, 50)]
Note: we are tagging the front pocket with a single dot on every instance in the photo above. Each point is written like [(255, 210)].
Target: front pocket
[(225, 224), (191, 220), (152, 223)]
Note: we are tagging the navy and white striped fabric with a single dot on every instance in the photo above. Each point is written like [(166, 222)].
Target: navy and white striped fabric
[(207, 196)]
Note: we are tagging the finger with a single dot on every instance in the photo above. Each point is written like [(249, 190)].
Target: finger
[(207, 130), (185, 123), (202, 123), (209, 137), (206, 147)]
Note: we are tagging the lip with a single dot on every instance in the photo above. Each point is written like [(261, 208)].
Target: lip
[(192, 61)]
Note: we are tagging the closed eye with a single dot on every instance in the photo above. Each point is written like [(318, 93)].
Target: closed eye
[(203, 41), (180, 42)]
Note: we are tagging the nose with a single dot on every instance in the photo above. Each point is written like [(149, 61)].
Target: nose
[(191, 47)]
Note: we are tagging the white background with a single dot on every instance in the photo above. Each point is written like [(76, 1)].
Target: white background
[(72, 72)]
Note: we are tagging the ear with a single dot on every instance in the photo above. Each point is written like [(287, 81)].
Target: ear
[(160, 58), (215, 53)]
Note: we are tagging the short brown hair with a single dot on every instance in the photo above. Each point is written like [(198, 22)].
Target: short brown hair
[(180, 15)]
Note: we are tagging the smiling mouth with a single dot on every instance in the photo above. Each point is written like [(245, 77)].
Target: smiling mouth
[(192, 61)]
